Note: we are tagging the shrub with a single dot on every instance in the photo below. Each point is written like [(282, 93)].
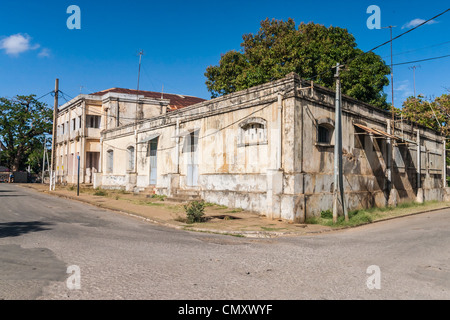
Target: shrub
[(195, 211), (100, 193), (327, 214)]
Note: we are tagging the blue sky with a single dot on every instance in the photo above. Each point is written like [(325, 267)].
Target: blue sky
[(181, 39)]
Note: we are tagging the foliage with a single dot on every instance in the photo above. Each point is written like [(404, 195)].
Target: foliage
[(160, 197), (432, 114), (195, 211), (327, 214), (23, 123), (101, 193), (279, 48)]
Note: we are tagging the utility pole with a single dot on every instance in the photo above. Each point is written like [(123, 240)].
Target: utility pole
[(140, 53), (414, 77), (78, 176), (392, 124), (392, 81), (338, 187), (43, 158), (55, 113)]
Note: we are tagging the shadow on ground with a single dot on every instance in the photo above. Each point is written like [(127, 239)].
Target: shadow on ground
[(14, 229)]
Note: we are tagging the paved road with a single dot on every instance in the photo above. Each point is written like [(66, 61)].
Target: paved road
[(121, 257)]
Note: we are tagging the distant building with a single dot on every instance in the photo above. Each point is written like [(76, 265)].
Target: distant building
[(81, 120)]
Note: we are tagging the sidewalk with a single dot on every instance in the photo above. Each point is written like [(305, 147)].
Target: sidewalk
[(219, 219)]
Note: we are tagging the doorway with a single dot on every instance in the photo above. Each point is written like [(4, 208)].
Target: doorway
[(152, 152), (192, 159)]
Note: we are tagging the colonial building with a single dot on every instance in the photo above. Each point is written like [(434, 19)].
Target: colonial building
[(81, 120), (270, 149)]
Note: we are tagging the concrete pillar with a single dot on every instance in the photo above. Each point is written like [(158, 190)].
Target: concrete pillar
[(280, 130), (130, 179), (174, 184), (274, 192), (393, 194), (444, 164), (419, 197), (177, 147)]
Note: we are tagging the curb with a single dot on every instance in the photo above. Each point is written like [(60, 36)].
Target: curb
[(247, 234)]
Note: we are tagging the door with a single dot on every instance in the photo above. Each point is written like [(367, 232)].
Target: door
[(153, 146), (192, 164)]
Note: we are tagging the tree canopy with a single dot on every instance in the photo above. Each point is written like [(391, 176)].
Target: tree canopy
[(279, 48), (23, 123), (434, 114)]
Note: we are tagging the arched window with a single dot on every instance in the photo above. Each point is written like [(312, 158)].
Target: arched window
[(323, 134), (325, 131), (109, 161), (253, 131), (130, 158)]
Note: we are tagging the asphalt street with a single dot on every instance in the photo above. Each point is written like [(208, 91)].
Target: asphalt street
[(121, 257)]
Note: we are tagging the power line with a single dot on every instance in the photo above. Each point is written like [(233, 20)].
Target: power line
[(414, 50), (379, 46), (44, 95), (402, 34), (434, 58)]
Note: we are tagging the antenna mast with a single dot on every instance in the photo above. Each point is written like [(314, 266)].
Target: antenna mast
[(141, 53)]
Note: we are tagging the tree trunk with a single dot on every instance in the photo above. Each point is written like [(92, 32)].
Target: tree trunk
[(16, 161)]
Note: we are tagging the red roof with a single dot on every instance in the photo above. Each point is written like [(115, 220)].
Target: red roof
[(177, 101)]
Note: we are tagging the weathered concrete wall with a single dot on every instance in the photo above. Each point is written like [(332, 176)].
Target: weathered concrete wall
[(230, 169), (365, 161), (238, 160)]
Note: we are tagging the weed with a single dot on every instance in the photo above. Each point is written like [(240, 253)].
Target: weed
[(271, 229), (158, 196), (195, 211), (209, 204), (102, 193), (327, 214), (235, 210), (219, 207), (180, 219)]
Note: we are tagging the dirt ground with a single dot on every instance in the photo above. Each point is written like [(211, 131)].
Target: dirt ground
[(218, 219)]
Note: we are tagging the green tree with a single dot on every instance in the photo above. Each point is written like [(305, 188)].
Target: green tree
[(23, 123), (279, 48), (434, 114)]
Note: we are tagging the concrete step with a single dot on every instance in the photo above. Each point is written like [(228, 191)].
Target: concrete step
[(191, 193), (176, 199), (148, 190), (181, 195)]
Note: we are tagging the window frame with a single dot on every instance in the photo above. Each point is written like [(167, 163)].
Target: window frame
[(328, 125), (259, 125)]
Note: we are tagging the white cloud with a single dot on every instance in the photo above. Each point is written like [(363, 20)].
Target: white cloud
[(403, 89), (44, 53), (415, 22), (17, 43)]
